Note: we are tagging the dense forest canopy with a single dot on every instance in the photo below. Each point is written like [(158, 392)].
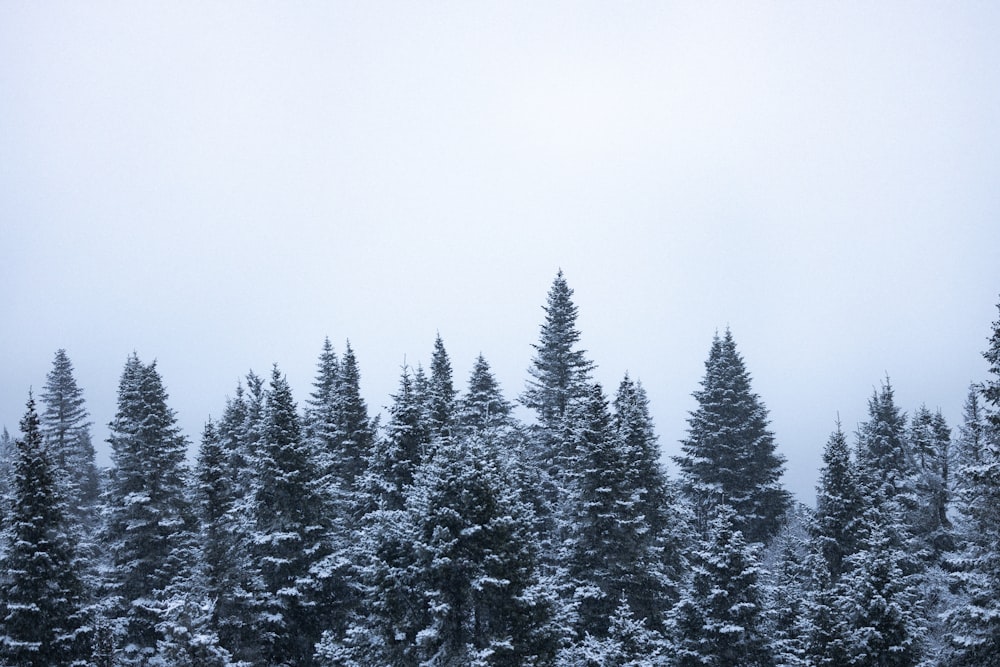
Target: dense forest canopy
[(450, 531)]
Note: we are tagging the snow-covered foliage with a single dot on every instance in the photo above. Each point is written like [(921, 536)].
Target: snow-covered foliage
[(452, 534)]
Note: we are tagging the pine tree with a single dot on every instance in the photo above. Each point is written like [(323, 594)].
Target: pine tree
[(835, 528), (397, 454), (290, 533), (879, 603), (974, 624), (41, 597), (441, 393), (729, 454), (719, 618), (483, 407), (559, 372), (67, 435), (622, 546), (149, 522), (451, 579), (356, 428), (930, 441)]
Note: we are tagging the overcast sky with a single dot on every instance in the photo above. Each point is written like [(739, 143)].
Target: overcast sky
[(220, 185)]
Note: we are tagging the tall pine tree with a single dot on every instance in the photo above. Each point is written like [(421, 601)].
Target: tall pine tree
[(729, 454), (67, 435), (149, 521)]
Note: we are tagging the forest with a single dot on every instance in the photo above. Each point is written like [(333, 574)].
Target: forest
[(449, 532)]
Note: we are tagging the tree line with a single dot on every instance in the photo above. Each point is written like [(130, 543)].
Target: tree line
[(455, 534)]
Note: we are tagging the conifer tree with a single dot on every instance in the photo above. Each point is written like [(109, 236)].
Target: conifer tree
[(400, 450), (622, 547), (149, 521), (930, 443), (729, 454), (451, 579), (719, 618), (41, 596), (290, 533), (974, 624), (835, 528), (67, 436), (559, 372), (879, 603), (356, 428), (441, 393), (483, 406)]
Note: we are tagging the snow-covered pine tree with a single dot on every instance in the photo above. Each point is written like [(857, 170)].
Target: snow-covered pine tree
[(729, 454), (971, 441), (148, 518), (483, 406), (559, 372), (397, 453), (456, 579), (929, 441), (656, 500), (290, 534), (321, 420), (41, 597), (441, 393), (67, 435), (835, 529), (878, 605), (974, 624), (719, 617), (621, 544), (356, 427)]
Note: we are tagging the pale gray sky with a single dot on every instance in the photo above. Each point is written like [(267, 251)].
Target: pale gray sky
[(221, 185)]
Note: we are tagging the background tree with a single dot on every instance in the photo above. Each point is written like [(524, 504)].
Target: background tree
[(67, 435), (729, 454)]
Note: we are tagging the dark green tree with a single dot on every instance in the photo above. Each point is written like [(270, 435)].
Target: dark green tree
[(483, 406), (559, 372), (41, 597), (441, 394), (67, 435), (149, 522), (719, 618), (835, 529), (729, 454), (290, 534), (974, 623)]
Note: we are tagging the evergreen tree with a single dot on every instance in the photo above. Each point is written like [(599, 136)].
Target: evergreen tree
[(719, 618), (397, 454), (971, 441), (879, 603), (559, 372), (729, 455), (322, 416), (622, 547), (930, 442), (483, 406), (290, 533), (67, 436), (451, 579), (357, 430), (835, 529), (149, 521), (441, 393), (41, 598), (974, 624)]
